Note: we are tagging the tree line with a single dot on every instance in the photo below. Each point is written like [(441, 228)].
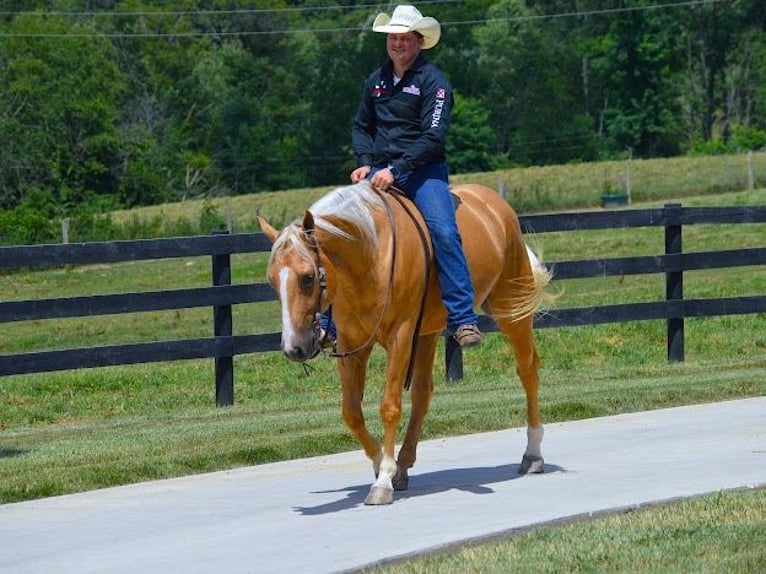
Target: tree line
[(121, 103)]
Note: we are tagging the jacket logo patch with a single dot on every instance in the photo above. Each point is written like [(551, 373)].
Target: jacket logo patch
[(379, 90), (436, 117), (413, 89)]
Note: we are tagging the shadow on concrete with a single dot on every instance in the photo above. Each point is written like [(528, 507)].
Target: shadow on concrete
[(471, 479)]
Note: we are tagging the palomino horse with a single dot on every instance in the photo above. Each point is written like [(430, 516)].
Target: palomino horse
[(365, 252)]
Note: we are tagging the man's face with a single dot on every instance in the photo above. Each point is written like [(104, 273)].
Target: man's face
[(403, 48)]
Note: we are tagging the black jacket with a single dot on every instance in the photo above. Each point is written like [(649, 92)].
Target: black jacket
[(403, 125)]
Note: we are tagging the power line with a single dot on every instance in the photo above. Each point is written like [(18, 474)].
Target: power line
[(595, 12), (231, 11), (219, 34)]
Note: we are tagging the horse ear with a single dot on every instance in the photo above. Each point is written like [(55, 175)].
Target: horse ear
[(308, 222), (267, 229)]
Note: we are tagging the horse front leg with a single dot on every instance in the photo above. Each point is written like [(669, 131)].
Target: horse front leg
[(420, 396), (353, 372), (382, 490)]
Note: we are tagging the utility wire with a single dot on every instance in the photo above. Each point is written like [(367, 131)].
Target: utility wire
[(232, 11), (221, 33)]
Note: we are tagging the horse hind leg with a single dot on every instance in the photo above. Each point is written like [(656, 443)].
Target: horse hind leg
[(521, 337)]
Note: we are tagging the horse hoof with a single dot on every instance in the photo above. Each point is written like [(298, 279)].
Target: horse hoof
[(379, 495), (401, 480), (531, 464)]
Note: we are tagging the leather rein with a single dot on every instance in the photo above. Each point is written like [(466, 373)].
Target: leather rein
[(402, 199)]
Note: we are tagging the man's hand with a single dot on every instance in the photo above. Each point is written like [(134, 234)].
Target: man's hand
[(360, 173), (382, 179)]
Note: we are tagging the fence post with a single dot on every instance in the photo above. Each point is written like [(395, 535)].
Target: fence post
[(674, 281), (222, 327), (453, 356), (65, 230), (628, 186)]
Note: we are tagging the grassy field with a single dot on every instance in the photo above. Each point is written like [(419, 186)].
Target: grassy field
[(531, 189), (74, 431)]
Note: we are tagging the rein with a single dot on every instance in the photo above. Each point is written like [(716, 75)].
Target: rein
[(399, 195)]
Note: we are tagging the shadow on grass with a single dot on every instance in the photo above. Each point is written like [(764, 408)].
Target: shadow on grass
[(475, 480), (11, 452)]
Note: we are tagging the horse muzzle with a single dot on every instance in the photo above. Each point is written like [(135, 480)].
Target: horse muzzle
[(301, 349)]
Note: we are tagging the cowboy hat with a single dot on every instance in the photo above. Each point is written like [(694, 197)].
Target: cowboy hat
[(409, 19)]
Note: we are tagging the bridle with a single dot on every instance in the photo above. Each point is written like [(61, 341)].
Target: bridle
[(313, 243), (321, 272)]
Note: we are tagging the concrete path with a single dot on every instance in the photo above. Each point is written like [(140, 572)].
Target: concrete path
[(308, 515)]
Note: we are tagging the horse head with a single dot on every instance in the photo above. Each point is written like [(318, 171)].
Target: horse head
[(296, 273)]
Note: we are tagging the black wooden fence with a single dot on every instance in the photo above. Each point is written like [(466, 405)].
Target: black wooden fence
[(222, 346)]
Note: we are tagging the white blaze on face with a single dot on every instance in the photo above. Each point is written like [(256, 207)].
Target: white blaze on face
[(288, 330)]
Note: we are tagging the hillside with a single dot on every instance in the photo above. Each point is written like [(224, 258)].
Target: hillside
[(529, 190)]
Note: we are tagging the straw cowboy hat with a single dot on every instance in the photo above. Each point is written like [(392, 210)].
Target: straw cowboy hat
[(409, 19)]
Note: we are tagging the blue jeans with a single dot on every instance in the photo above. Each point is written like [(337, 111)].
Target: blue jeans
[(428, 189)]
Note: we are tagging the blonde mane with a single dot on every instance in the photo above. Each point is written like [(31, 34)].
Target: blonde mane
[(353, 204)]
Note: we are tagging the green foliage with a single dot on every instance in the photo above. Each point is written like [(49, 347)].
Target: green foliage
[(25, 225), (471, 138), (742, 139), (61, 130), (198, 101), (143, 181), (746, 138), (210, 219), (642, 112)]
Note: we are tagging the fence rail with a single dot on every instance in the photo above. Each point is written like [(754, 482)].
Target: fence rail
[(222, 346)]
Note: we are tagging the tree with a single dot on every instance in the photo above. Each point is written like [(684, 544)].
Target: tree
[(530, 85), (59, 128), (471, 138), (724, 76), (142, 102)]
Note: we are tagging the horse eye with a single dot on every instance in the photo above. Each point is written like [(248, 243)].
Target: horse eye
[(307, 281)]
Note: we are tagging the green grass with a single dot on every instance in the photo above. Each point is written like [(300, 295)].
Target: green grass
[(721, 532)]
